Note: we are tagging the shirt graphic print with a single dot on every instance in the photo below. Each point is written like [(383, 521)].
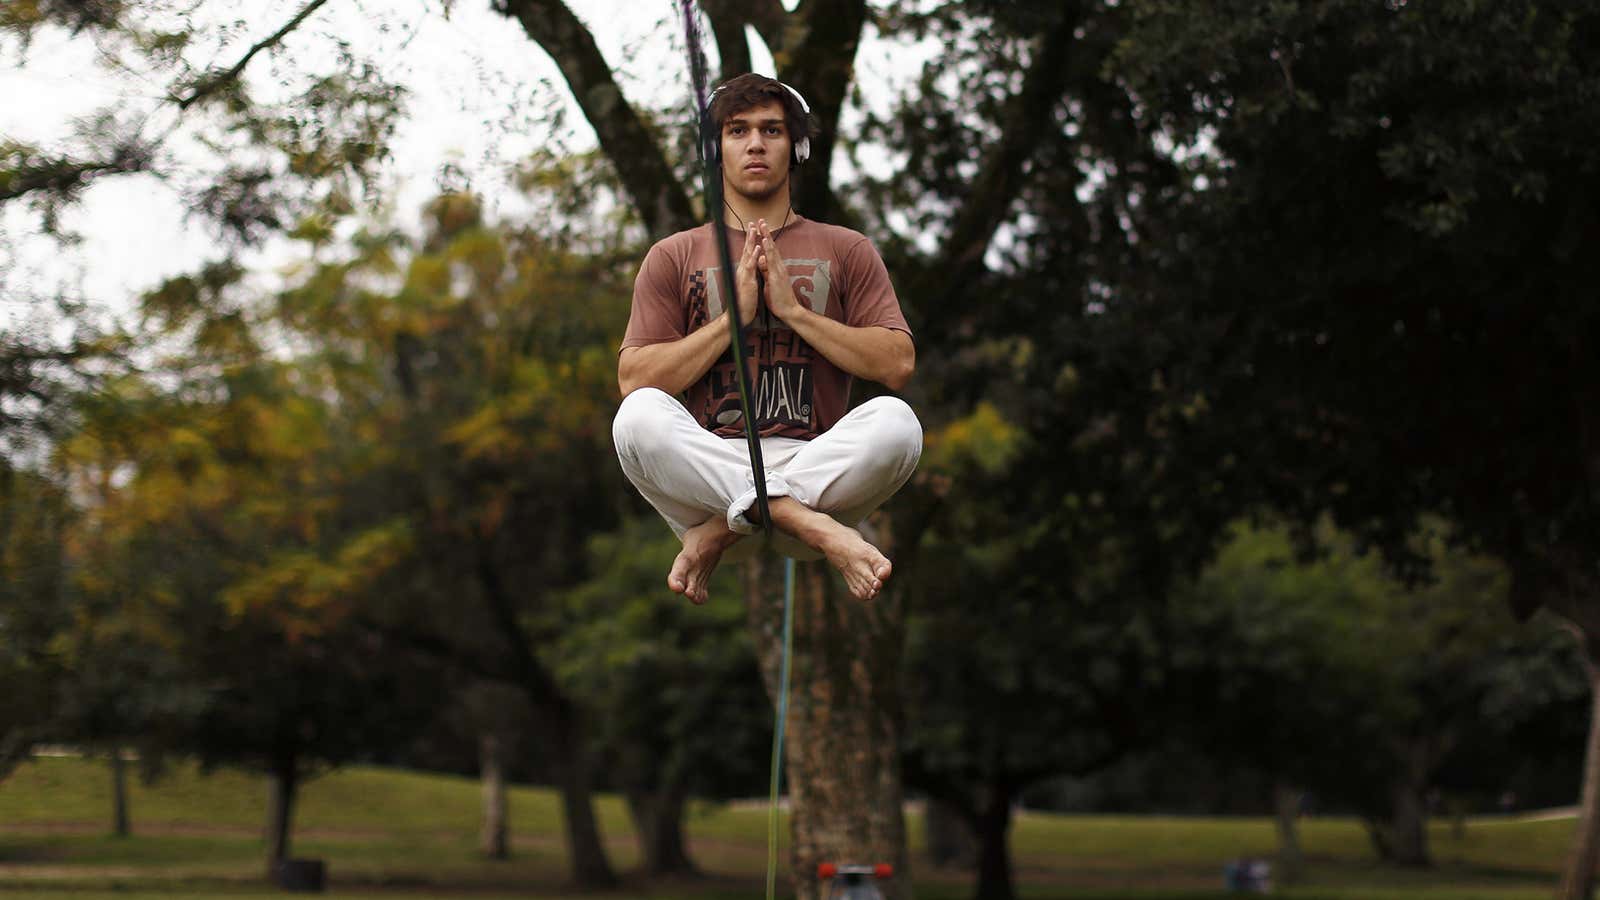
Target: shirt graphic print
[(783, 396)]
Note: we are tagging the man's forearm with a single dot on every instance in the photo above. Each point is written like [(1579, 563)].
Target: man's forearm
[(674, 365), (876, 354)]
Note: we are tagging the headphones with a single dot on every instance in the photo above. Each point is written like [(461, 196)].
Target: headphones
[(800, 150)]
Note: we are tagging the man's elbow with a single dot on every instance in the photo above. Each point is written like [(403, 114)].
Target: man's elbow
[(629, 376), (899, 374)]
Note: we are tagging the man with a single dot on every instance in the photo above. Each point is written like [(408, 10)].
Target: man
[(817, 309)]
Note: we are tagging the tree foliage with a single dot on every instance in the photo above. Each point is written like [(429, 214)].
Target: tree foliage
[(1322, 670)]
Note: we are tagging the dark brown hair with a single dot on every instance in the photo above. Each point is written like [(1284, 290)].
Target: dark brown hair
[(748, 91)]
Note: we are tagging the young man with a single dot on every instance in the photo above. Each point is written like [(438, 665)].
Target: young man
[(817, 309)]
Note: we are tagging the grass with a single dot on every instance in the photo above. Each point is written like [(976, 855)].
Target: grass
[(387, 833)]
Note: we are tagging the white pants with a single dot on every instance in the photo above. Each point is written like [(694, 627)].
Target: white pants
[(689, 474)]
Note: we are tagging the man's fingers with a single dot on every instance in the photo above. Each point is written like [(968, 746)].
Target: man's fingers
[(770, 247)]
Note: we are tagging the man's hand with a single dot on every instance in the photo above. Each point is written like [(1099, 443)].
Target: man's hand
[(744, 278), (780, 292)]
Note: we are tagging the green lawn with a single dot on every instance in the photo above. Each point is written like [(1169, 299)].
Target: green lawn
[(391, 833)]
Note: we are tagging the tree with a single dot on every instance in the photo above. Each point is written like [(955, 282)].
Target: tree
[(278, 159), (679, 705), (1411, 335), (479, 375), (216, 542), (35, 514), (1053, 672), (1322, 671), (121, 686)]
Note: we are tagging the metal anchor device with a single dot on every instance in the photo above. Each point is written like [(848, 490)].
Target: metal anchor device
[(854, 882)]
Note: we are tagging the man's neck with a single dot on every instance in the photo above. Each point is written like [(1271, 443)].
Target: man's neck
[(739, 210)]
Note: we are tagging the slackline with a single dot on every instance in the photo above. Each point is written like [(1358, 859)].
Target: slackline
[(709, 147)]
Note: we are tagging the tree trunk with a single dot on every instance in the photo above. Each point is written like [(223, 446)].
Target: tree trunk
[(1286, 805), (994, 847), (658, 820), (1578, 883), (492, 837), (570, 765), (119, 794), (841, 753), (1409, 828), (561, 724), (281, 786), (950, 839), (1409, 805)]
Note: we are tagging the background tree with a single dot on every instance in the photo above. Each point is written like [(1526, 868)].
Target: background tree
[(225, 509), (275, 158), (479, 369), (680, 710), (35, 515), (1057, 671), (1387, 249), (1328, 674)]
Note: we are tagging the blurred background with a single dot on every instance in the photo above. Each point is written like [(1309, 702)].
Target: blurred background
[(1255, 546)]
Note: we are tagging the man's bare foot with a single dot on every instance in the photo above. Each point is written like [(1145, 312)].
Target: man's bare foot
[(863, 567), (703, 546)]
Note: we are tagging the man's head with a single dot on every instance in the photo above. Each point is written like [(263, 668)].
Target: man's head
[(762, 128)]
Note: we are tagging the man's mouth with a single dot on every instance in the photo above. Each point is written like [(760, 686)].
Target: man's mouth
[(755, 167)]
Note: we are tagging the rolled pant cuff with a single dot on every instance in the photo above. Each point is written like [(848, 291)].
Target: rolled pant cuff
[(738, 523)]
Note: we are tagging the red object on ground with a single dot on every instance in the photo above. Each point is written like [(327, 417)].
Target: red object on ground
[(827, 870), (883, 870)]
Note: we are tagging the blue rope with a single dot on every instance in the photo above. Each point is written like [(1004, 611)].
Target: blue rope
[(777, 733)]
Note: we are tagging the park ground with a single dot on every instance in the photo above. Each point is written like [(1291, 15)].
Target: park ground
[(389, 833)]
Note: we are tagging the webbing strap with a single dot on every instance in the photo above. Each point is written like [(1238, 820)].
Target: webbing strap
[(708, 147), (777, 732)]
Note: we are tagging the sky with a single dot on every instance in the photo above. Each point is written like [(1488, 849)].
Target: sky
[(476, 82)]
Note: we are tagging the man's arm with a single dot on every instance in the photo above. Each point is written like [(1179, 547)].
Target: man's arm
[(872, 352), (674, 365)]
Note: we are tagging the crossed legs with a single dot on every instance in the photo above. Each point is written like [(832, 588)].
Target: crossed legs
[(818, 490)]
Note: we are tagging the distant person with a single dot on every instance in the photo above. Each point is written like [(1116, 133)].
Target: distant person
[(818, 310)]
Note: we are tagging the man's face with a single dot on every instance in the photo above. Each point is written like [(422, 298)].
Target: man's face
[(755, 151)]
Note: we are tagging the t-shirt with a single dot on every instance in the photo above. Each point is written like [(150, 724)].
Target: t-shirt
[(797, 393)]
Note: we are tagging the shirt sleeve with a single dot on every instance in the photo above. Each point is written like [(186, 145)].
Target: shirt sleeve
[(658, 313), (869, 297)]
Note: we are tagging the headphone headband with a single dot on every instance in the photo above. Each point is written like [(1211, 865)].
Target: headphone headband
[(801, 148)]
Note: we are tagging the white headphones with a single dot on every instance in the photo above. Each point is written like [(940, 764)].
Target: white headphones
[(801, 148)]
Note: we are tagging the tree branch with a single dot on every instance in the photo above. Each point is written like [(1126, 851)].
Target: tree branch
[(214, 80), (1028, 116), (535, 680), (626, 140), (770, 19), (816, 54), (62, 175), (727, 26)]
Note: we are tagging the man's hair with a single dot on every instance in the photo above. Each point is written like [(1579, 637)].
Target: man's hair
[(748, 91)]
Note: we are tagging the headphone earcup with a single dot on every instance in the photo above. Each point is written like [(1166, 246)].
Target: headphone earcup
[(802, 150)]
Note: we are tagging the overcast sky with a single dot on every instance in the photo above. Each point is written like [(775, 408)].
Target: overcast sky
[(475, 79)]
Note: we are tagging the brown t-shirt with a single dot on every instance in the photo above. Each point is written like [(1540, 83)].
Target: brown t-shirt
[(796, 393)]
